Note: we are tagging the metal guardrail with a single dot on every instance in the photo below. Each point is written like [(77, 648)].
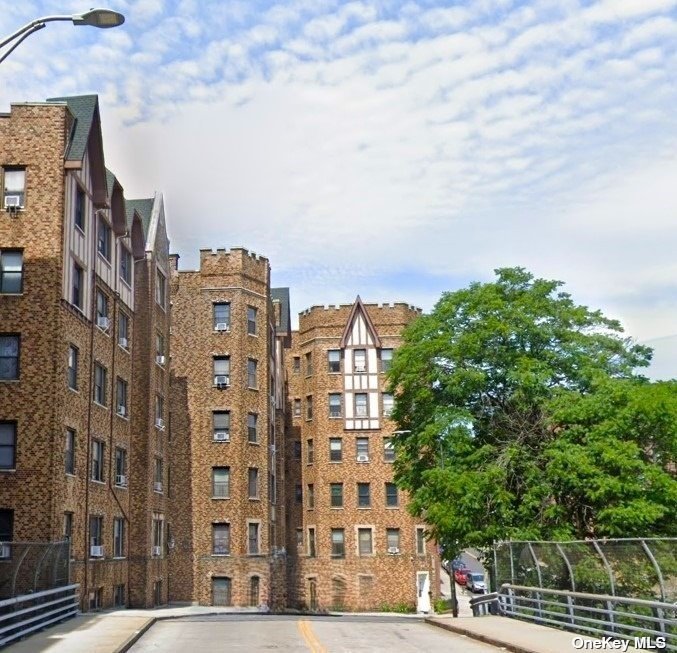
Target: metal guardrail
[(23, 615)]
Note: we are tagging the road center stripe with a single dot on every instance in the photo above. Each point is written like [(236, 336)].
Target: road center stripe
[(309, 637)]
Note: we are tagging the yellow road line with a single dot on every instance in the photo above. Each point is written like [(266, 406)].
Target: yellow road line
[(309, 637)]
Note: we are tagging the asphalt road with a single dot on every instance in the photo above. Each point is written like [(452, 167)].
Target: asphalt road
[(347, 634)]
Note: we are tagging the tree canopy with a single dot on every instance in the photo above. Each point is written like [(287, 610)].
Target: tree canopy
[(522, 416)]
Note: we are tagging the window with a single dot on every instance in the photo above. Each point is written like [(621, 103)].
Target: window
[(6, 526), (361, 409), (392, 498), (73, 359), (101, 309), (118, 537), (251, 373), (393, 540), (253, 482), (252, 428), (95, 530), (120, 467), (297, 408), (310, 452), (420, 540), (159, 348), (14, 187), (360, 360), (311, 542), (221, 591), (335, 450), (253, 547), (67, 527), (11, 271), (298, 493), (78, 283), (97, 460), (221, 539), (311, 496), (121, 397), (103, 240), (338, 542), (388, 450), (160, 288), (365, 541), (220, 482), (123, 330), (386, 359), (388, 404), (100, 373), (221, 315), (159, 411), (254, 589), (159, 476), (336, 491), (299, 540), (334, 360), (125, 265), (309, 407), (362, 450), (7, 445), (119, 596), (158, 528), (9, 357), (335, 404), (221, 425), (69, 462), (363, 495), (296, 365), (79, 214), (251, 320), (309, 363)]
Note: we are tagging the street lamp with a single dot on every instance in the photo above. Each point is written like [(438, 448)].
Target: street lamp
[(103, 18)]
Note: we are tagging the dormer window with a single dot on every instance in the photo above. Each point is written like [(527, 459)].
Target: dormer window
[(360, 360), (79, 215), (125, 265), (103, 238)]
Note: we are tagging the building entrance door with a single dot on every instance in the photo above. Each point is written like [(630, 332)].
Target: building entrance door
[(422, 591)]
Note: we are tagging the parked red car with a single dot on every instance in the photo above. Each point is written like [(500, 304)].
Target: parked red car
[(460, 575)]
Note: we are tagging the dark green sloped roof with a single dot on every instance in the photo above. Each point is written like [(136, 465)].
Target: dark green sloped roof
[(110, 180), (144, 209), (282, 295), (83, 108)]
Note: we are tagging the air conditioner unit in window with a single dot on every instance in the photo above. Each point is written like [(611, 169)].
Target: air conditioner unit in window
[(221, 380), (122, 411), (160, 360), (363, 458), (102, 322), (5, 551), (123, 342), (393, 550), (156, 550), (12, 201), (360, 368), (221, 326), (157, 486), (96, 551), (221, 436), (160, 423), (121, 479)]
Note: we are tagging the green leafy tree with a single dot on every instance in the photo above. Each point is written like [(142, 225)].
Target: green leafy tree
[(483, 384)]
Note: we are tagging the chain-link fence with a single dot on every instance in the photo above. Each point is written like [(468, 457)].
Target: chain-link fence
[(28, 567)]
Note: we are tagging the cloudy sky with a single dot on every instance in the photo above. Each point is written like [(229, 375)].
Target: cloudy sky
[(393, 149)]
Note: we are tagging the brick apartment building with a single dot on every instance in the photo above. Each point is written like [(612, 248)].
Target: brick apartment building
[(84, 328)]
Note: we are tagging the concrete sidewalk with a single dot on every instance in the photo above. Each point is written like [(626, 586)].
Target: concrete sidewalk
[(514, 635)]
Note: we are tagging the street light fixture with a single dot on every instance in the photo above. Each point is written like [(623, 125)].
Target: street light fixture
[(102, 18)]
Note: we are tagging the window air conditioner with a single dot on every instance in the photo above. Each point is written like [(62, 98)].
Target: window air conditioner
[(157, 486), (160, 423), (160, 360), (221, 380), (123, 342), (102, 322), (360, 368), (221, 326), (121, 479), (5, 551), (363, 458), (12, 201), (221, 436), (393, 550), (156, 550), (122, 410), (96, 551)]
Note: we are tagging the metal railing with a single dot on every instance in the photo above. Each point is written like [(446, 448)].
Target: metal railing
[(23, 615), (590, 614)]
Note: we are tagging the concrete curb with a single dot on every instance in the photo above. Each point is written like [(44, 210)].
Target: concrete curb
[(500, 643), (135, 636)]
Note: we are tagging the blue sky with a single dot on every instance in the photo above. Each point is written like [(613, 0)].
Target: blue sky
[(394, 149)]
